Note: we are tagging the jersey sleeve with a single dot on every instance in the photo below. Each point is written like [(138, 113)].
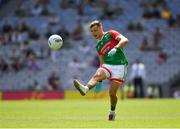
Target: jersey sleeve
[(114, 33)]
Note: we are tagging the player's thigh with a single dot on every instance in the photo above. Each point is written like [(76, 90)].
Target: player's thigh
[(100, 74), (114, 86)]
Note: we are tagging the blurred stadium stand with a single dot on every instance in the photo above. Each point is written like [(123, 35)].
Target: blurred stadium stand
[(34, 61)]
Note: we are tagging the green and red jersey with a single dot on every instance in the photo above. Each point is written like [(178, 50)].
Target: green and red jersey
[(106, 44)]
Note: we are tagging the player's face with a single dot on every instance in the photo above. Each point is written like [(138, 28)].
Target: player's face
[(97, 32)]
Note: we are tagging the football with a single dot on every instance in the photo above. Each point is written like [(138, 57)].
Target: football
[(55, 42)]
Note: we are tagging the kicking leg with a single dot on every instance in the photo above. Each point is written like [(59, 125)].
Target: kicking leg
[(98, 76)]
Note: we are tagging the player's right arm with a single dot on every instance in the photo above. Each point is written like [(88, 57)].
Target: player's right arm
[(101, 60)]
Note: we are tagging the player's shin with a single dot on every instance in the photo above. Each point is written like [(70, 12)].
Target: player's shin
[(113, 101), (92, 83), (99, 76)]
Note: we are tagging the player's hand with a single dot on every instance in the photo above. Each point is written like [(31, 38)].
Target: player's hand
[(112, 51)]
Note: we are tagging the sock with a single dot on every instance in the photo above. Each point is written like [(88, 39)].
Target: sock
[(113, 108), (89, 86)]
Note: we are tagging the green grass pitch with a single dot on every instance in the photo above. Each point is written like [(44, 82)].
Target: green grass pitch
[(145, 113)]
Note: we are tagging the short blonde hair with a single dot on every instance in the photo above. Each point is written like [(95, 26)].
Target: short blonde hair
[(95, 22)]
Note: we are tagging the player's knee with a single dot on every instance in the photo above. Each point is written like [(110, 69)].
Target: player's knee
[(112, 95), (97, 77)]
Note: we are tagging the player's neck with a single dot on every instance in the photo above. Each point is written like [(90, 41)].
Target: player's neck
[(101, 36)]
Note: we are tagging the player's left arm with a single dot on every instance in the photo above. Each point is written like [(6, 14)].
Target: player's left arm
[(122, 41), (119, 37)]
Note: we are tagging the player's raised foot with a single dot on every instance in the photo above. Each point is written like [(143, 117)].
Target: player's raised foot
[(80, 87), (111, 116)]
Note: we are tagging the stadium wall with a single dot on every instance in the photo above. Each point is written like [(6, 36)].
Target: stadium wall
[(28, 95), (44, 95), (69, 94)]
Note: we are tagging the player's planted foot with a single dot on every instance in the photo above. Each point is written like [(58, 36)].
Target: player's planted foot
[(80, 87), (112, 116)]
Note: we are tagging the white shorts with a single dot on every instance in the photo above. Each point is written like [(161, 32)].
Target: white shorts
[(115, 72)]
